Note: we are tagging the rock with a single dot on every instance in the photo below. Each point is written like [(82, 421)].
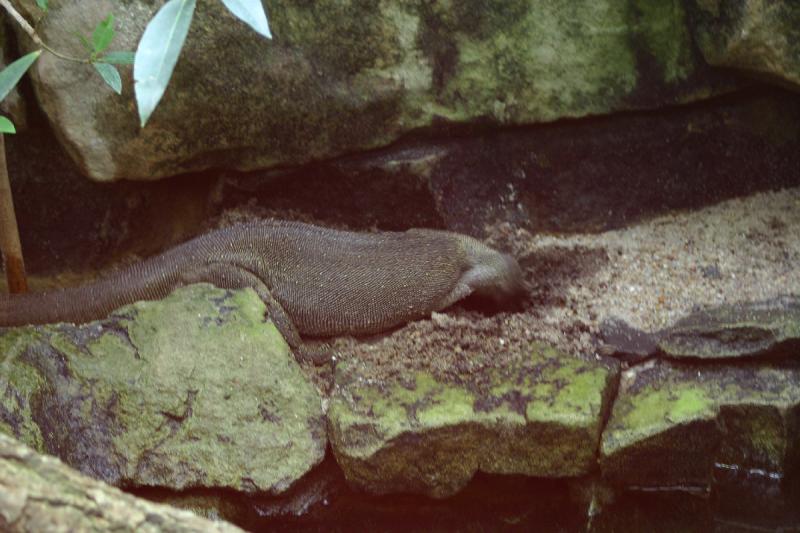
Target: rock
[(539, 419), (765, 329), (195, 390), (40, 493), (625, 342), (342, 76), (672, 422), (758, 36)]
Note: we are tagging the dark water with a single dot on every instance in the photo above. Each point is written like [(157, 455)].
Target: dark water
[(738, 500)]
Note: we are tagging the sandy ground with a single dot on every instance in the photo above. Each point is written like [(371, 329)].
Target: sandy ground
[(741, 250), (649, 275)]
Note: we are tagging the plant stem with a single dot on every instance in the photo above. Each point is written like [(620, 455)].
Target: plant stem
[(35, 36), (9, 233)]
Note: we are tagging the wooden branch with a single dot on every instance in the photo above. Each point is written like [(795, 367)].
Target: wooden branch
[(21, 21), (9, 233)]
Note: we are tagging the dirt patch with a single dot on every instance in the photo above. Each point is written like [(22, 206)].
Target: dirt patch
[(649, 275)]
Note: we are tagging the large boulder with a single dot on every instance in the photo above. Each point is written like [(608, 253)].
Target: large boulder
[(340, 76), (195, 390), (761, 37)]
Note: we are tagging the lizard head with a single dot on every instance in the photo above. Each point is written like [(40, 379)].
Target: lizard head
[(492, 275)]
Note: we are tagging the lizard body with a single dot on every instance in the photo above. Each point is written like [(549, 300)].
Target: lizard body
[(315, 281)]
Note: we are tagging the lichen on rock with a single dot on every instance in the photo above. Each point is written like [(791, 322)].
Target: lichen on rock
[(672, 422), (195, 390), (342, 76), (541, 418)]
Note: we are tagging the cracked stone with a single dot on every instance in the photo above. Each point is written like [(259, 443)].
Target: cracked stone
[(673, 423), (541, 418), (170, 394)]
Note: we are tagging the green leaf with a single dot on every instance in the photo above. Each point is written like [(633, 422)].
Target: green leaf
[(110, 75), (118, 58), (10, 75), (251, 12), (6, 126), (103, 34), (42, 5), (84, 41), (158, 52)]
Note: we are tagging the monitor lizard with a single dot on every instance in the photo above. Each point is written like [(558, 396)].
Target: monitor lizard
[(315, 281)]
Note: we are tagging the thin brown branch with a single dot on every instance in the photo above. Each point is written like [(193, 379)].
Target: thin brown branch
[(25, 25), (9, 233), (21, 21)]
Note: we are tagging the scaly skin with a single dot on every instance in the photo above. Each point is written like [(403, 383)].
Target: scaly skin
[(315, 281)]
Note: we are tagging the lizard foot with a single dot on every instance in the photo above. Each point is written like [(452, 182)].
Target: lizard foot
[(319, 353)]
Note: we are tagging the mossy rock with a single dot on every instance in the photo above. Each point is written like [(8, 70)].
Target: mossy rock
[(758, 36), (195, 390), (341, 76), (672, 422), (40, 493), (431, 436)]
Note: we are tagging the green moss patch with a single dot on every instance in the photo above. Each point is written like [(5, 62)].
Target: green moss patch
[(345, 75), (672, 422), (195, 390), (540, 418)]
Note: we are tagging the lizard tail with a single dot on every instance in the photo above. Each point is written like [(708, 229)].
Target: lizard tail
[(83, 303), (78, 304), (46, 307)]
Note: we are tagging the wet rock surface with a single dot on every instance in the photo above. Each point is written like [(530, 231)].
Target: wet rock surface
[(40, 493), (196, 390), (671, 423)]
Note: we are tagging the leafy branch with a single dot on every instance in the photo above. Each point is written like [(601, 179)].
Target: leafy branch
[(155, 57), (19, 19), (153, 64)]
